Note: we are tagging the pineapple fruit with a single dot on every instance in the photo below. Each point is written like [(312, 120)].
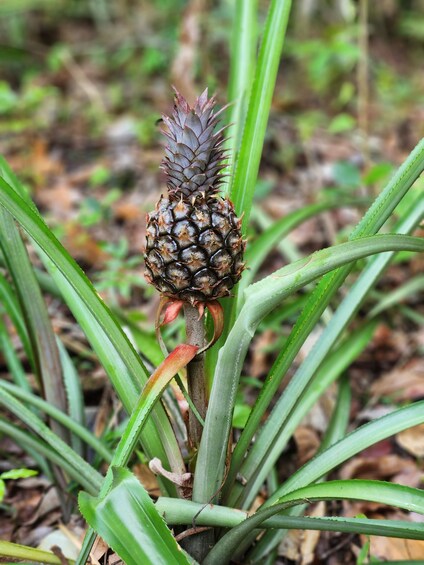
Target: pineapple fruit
[(194, 247)]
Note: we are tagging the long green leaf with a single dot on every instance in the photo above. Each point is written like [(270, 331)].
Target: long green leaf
[(88, 476), (122, 363), (39, 450), (261, 299), (183, 512), (319, 300), (48, 367), (75, 427), (242, 69), (267, 448), (247, 165), (129, 522), (74, 394), (335, 432), (411, 287), (151, 393), (375, 491), (259, 249), (13, 362), (358, 440), (273, 430)]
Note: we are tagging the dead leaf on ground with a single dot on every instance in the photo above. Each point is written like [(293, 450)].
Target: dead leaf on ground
[(290, 546), (396, 549), (412, 440), (319, 415), (380, 467), (42, 164), (406, 383), (60, 200), (307, 441), (82, 245), (147, 478), (299, 545), (99, 549), (128, 212), (311, 537), (259, 365)]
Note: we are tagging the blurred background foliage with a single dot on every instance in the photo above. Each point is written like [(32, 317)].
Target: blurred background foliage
[(83, 84)]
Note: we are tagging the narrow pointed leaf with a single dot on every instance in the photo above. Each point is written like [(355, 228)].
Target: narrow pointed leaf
[(407, 498), (122, 363), (129, 523), (261, 298), (151, 393), (44, 347)]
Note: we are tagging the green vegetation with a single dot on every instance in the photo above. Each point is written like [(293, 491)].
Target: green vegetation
[(262, 376)]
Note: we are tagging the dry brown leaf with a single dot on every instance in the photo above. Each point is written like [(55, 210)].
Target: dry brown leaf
[(41, 163), (99, 549), (307, 441), (396, 549), (319, 416), (383, 467), (259, 364), (128, 212), (290, 546), (299, 545), (60, 199), (311, 537), (114, 559), (147, 478), (82, 246), (412, 440), (406, 383)]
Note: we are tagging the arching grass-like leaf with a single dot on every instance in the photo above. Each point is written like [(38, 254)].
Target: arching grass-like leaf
[(261, 299), (116, 353), (375, 491), (151, 393), (129, 522)]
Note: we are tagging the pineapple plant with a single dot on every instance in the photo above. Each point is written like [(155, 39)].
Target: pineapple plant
[(194, 246)]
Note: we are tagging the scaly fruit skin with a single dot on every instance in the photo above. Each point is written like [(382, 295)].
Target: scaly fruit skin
[(194, 248)]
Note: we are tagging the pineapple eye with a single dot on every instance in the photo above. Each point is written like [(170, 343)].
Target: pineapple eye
[(234, 241), (181, 210), (167, 247), (193, 258), (155, 262), (210, 240), (221, 261), (185, 232), (204, 281), (221, 223), (178, 275)]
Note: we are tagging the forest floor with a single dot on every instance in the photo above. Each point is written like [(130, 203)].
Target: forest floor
[(79, 126)]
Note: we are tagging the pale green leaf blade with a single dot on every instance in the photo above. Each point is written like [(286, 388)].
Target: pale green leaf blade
[(129, 522), (407, 498), (261, 298)]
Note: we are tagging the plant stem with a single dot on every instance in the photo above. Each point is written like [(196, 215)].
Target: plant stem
[(196, 374), (197, 545)]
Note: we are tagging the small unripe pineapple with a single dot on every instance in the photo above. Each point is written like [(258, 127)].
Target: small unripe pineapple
[(194, 248)]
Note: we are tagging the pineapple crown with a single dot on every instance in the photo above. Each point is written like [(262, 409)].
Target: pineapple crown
[(194, 156)]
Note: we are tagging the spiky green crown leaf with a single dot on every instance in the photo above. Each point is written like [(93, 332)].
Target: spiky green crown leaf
[(194, 156)]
